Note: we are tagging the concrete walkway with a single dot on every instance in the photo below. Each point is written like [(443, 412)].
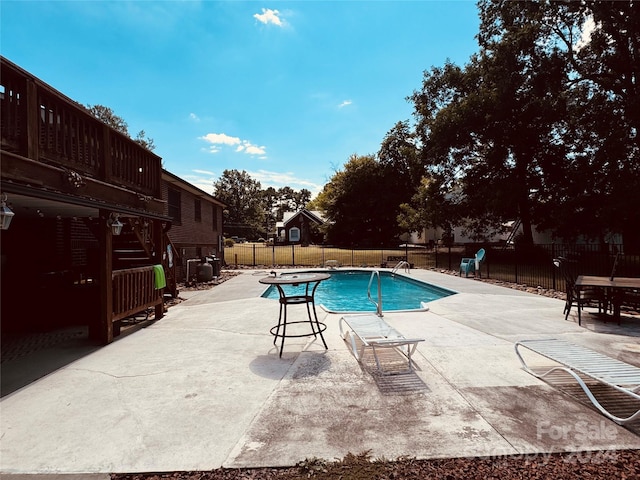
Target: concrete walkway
[(204, 388)]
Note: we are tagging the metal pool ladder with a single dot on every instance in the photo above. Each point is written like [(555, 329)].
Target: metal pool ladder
[(378, 304), (399, 265)]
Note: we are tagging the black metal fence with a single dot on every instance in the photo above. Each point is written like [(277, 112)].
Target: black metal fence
[(527, 265)]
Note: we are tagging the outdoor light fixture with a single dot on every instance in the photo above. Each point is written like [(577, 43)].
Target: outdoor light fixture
[(6, 215), (115, 224)]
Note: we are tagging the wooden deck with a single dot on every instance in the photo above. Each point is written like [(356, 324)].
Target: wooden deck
[(41, 124), (67, 174)]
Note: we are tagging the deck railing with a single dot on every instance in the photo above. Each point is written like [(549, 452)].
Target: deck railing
[(133, 291), (40, 123)]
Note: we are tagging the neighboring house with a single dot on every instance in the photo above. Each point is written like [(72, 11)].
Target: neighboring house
[(513, 229), (196, 224), (437, 236), (301, 227), (87, 243)]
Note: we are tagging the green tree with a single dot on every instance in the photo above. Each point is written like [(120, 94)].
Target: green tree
[(489, 130), (541, 124), (356, 204), (602, 187), (146, 142), (108, 116), (430, 207), (400, 157), (399, 160), (245, 213), (286, 201), (302, 198), (270, 206)]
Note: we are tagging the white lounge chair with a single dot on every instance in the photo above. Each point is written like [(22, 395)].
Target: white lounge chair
[(577, 360), (372, 331)]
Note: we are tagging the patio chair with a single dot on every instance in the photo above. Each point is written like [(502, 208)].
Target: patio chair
[(631, 300), (587, 366), (468, 265), (589, 297), (361, 331), (331, 264)]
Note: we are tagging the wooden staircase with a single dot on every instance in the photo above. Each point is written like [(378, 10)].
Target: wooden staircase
[(134, 248)]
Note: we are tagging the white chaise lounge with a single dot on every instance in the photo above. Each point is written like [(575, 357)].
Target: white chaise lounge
[(370, 330), (577, 361)]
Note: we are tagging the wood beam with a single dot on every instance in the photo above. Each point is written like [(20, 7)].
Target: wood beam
[(26, 171), (104, 330)]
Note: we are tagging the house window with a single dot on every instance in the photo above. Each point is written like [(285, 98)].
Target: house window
[(294, 234), (214, 218), (197, 214), (174, 204)]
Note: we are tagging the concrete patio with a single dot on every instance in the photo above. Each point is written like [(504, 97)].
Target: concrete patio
[(204, 387)]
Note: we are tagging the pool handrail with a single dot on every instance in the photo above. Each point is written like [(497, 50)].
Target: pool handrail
[(379, 303), (399, 265)]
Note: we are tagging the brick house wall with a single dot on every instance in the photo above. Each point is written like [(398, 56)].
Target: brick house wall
[(196, 228)]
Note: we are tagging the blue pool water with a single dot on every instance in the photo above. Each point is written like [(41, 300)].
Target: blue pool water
[(346, 291)]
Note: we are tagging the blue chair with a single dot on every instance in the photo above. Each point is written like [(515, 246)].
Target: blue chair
[(468, 265)]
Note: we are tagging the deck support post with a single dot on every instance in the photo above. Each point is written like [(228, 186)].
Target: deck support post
[(104, 329)]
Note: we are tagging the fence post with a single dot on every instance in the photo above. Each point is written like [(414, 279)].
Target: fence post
[(553, 269), (486, 261), (273, 253), (254, 254), (293, 254)]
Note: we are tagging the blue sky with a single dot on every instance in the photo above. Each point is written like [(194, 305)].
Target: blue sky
[(286, 91)]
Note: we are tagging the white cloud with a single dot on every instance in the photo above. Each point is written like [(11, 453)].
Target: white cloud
[(253, 149), (194, 117), (284, 179), (269, 16), (220, 138), (204, 172), (202, 179), (243, 146), (345, 103)]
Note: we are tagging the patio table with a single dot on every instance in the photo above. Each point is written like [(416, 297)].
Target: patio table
[(614, 287), (310, 282)]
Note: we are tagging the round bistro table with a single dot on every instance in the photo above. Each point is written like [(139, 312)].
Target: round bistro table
[(310, 282)]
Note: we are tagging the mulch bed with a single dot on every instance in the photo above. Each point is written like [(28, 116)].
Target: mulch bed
[(605, 465)]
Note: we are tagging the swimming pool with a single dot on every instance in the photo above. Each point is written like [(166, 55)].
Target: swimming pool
[(346, 291)]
